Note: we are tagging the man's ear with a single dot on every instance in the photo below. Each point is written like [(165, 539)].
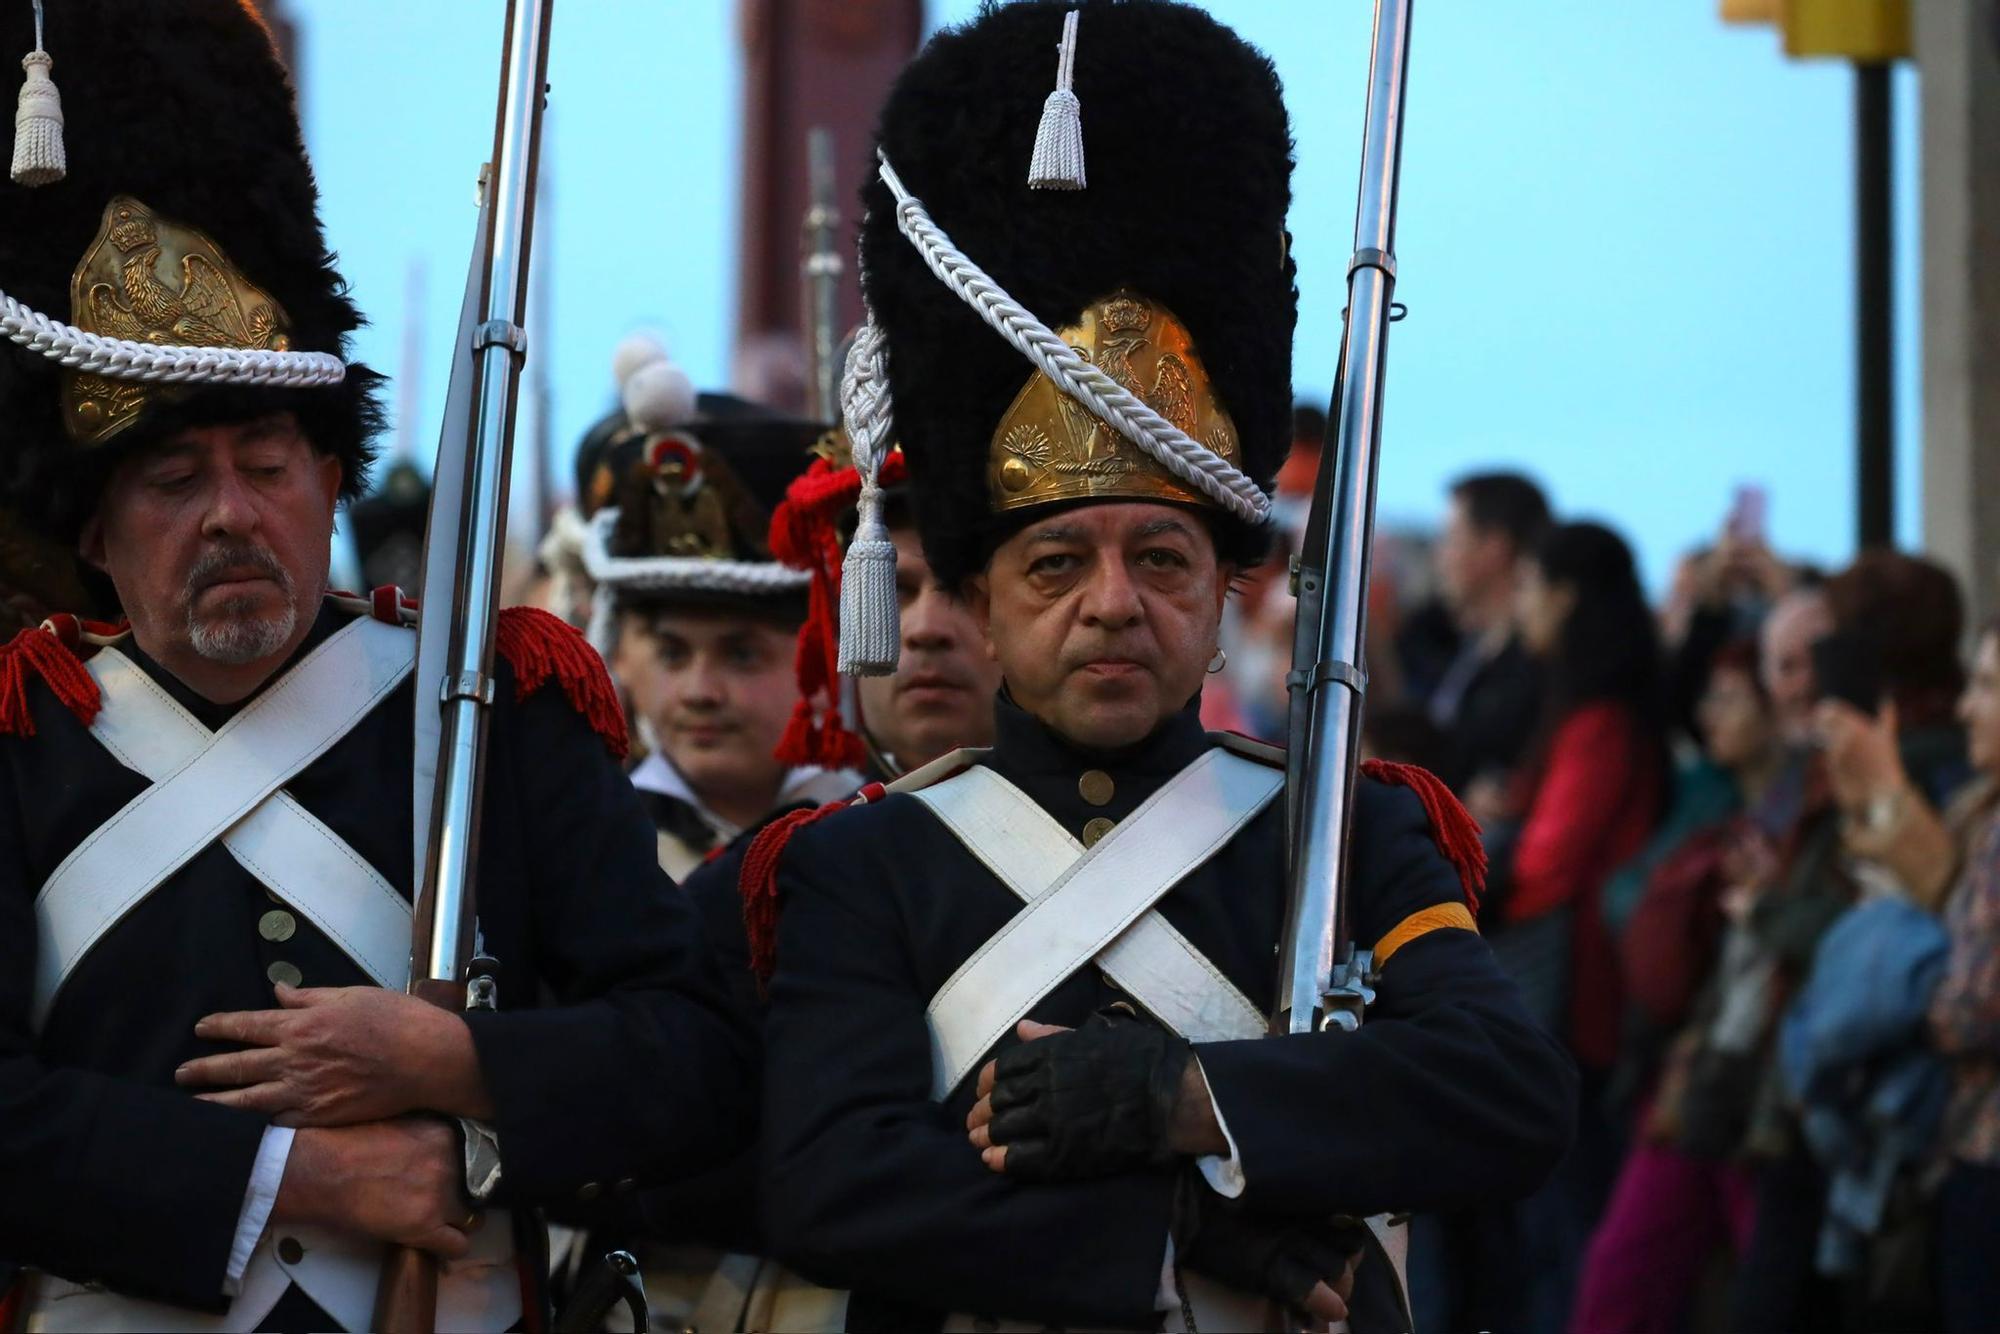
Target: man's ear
[(1225, 579), (331, 475), (90, 544), (977, 591)]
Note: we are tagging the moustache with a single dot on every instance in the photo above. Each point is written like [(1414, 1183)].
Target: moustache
[(219, 564)]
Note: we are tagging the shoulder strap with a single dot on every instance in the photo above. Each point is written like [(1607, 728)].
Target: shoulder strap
[(256, 752), (1089, 905)]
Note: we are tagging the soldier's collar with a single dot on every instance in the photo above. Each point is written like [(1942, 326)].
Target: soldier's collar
[(207, 711), (1024, 745)]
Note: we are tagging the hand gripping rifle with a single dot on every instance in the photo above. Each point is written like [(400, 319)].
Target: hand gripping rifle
[(463, 547), (1323, 979)]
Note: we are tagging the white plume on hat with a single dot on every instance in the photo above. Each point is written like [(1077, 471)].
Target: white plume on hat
[(656, 393)]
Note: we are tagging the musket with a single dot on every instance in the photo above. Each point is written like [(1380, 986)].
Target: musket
[(1323, 980), (459, 607), (822, 267)]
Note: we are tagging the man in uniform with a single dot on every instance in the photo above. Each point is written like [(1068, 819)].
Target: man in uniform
[(697, 618), (217, 1106), (940, 696), (1067, 1112)]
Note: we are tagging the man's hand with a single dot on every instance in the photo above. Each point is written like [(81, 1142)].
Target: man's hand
[(1089, 1102), (337, 1056), (1302, 1266), (400, 1182)]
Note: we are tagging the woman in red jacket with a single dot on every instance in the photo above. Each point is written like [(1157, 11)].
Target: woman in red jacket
[(1588, 797)]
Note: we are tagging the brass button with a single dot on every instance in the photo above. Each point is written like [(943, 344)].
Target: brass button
[(1097, 829), (290, 1251), (624, 1186), (590, 1190), (1096, 786), (277, 926), (287, 973)]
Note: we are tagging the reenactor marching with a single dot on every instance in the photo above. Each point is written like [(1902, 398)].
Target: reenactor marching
[(217, 1106), (1013, 1072)]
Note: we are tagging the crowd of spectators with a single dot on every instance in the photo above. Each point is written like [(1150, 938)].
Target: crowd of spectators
[(1745, 853)]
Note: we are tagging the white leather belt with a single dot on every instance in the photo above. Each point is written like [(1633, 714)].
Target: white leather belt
[(1082, 905), (225, 784)]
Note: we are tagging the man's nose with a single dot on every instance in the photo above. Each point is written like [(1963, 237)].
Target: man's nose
[(1110, 598), (231, 510), (928, 620)]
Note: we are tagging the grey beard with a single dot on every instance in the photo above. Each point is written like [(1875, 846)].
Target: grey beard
[(234, 641), (228, 637)]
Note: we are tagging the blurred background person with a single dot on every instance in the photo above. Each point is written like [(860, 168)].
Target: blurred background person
[(1888, 677), (1677, 1201), (1592, 785), (1486, 700), (698, 621)]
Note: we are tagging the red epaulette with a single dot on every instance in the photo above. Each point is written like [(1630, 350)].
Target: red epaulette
[(757, 880), (1453, 829), (54, 652), (542, 647)]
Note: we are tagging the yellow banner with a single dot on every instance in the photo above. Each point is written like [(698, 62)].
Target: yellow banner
[(1753, 11)]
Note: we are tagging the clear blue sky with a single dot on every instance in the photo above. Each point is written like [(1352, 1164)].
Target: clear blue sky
[(1625, 232)]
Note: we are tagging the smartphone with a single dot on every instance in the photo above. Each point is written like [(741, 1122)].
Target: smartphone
[(1747, 513), (1848, 667)]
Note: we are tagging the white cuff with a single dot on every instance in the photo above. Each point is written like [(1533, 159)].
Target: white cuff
[(1224, 1175), (258, 1200)]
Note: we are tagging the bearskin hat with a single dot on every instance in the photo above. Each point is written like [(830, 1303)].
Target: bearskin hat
[(1189, 166), (184, 106)]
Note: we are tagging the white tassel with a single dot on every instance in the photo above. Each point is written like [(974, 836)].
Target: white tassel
[(871, 636), (1058, 160), (38, 120)]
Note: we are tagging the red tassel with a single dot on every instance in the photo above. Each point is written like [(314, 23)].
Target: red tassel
[(38, 652), (1453, 829), (757, 882), (540, 646)]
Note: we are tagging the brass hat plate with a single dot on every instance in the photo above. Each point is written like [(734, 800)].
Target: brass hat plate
[(148, 279), (1050, 448)]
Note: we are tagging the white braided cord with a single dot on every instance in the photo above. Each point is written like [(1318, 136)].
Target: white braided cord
[(1107, 400), (123, 359), (645, 574)]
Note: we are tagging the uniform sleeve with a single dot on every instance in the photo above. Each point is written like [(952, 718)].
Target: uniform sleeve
[(717, 1207), (1574, 805), (102, 1179), (1448, 1097), (870, 1185), (637, 1069)]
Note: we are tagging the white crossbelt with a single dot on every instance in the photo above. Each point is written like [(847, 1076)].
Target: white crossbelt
[(224, 784), (1095, 903), (1030, 852), (227, 784)]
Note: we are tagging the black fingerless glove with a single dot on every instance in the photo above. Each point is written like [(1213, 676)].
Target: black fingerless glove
[(1276, 1258), (1092, 1102)]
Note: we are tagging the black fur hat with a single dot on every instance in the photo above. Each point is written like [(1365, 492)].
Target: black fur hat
[(1189, 169), (184, 106)]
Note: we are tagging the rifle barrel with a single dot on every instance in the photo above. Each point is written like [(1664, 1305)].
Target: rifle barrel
[(1320, 984)]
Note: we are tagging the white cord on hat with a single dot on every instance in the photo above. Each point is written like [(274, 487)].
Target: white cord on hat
[(38, 119), (666, 574), (871, 638), (1057, 163), (123, 359), (1110, 402)]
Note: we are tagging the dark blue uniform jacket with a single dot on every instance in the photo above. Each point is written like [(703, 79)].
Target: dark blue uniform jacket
[(1448, 1096), (613, 1059)]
